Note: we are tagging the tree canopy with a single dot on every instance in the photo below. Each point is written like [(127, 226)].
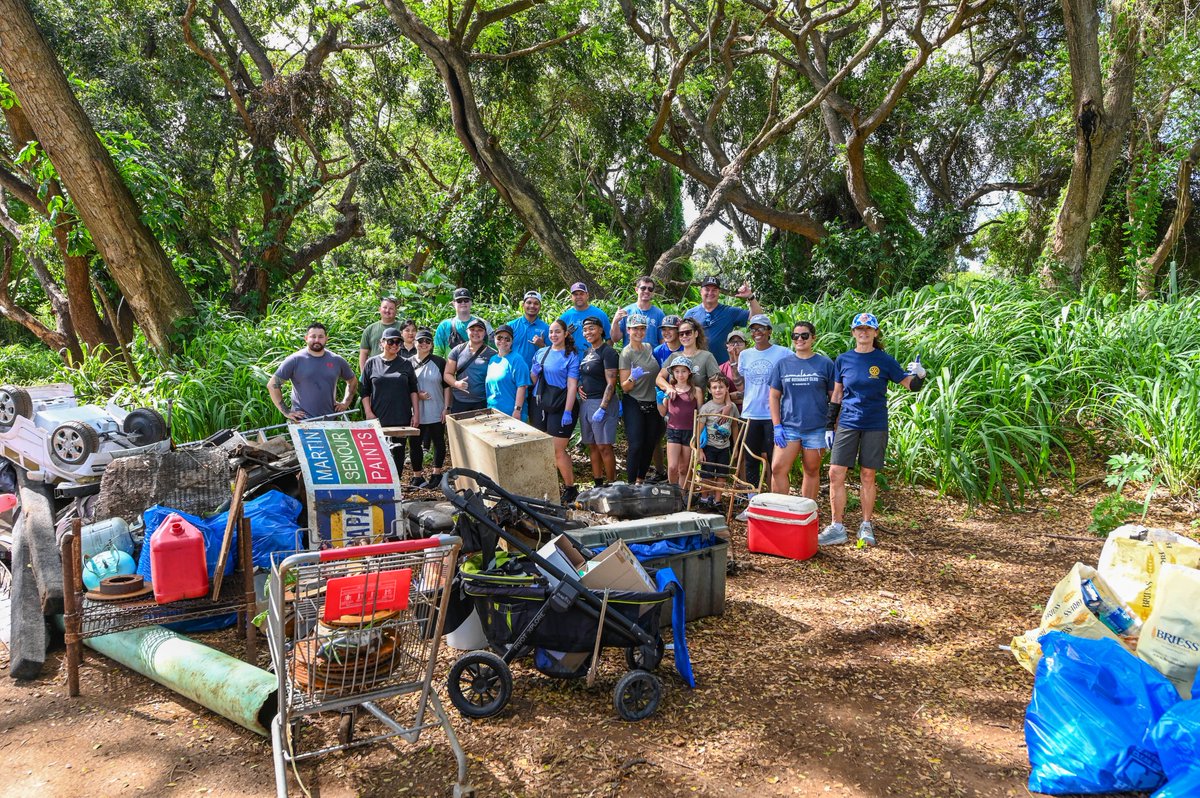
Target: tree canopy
[(864, 144)]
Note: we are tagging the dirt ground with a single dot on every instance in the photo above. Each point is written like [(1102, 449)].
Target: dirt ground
[(856, 673)]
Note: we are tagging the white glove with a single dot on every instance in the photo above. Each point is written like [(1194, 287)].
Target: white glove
[(829, 436), (916, 368)]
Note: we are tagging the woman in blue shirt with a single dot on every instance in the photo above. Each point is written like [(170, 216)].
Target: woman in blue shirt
[(801, 385), (858, 413), (507, 376), (555, 372)]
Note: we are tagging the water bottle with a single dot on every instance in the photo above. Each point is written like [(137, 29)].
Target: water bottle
[(1113, 615)]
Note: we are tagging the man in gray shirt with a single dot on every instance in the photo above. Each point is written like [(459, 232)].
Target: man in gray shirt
[(314, 373)]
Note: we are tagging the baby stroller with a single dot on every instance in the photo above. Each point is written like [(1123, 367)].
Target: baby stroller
[(529, 605)]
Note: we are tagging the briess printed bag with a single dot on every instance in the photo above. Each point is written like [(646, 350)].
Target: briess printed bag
[(1170, 639)]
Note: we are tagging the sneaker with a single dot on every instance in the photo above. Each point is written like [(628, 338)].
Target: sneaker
[(866, 533), (568, 496), (744, 515), (418, 482), (832, 535), (654, 476)]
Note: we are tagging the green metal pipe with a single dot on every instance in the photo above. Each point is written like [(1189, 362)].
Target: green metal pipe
[(229, 687)]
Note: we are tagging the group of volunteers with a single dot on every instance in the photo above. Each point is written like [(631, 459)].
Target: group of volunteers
[(667, 371)]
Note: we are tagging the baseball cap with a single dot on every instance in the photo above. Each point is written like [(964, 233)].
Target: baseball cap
[(579, 287), (424, 334), (670, 321), (391, 332), (761, 319), (637, 320), (865, 320), (477, 322), (710, 280), (684, 361), (594, 321), (532, 295), (462, 293), (737, 334), (504, 328)]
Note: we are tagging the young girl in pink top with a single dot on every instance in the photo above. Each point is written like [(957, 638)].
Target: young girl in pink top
[(682, 401)]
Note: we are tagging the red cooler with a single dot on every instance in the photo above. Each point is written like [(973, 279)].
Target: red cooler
[(785, 526)]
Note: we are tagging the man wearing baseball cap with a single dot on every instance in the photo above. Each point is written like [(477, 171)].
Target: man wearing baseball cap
[(530, 333), (755, 365), (644, 306), (574, 316), (453, 331), (718, 318), (466, 369)]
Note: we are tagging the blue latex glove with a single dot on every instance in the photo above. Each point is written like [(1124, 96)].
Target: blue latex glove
[(636, 373), (829, 436), (599, 415), (780, 440), (567, 418), (536, 369)]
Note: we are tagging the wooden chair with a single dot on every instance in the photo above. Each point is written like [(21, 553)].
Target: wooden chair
[(727, 479)]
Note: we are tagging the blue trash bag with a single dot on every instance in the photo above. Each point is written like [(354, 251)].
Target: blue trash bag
[(669, 547), (1176, 738), (273, 527), (1087, 727)]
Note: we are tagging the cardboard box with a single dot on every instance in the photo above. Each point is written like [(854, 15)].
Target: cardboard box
[(561, 553), (616, 568)]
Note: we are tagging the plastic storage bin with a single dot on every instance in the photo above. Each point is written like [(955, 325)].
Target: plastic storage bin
[(702, 574), (785, 526)]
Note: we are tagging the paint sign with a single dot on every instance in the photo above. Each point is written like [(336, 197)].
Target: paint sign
[(352, 484)]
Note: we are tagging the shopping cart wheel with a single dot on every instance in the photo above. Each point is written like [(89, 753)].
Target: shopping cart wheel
[(480, 684), (637, 695), (346, 727), (645, 658)]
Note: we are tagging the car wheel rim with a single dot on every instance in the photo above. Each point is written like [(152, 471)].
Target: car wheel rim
[(68, 444), (8, 408)]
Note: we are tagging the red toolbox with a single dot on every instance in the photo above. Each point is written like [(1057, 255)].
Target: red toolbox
[(785, 526)]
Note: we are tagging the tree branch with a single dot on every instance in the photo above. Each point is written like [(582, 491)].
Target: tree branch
[(529, 50)]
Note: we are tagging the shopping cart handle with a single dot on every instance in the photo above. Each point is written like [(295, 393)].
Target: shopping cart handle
[(375, 549)]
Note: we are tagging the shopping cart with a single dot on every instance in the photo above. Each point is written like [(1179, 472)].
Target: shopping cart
[(525, 613), (351, 627)]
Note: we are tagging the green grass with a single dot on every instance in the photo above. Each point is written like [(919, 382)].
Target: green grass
[(1017, 377)]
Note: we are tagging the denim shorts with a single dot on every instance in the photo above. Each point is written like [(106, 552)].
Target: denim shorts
[(809, 438), (681, 436)]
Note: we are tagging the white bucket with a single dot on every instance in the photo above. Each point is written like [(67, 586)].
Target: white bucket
[(468, 636)]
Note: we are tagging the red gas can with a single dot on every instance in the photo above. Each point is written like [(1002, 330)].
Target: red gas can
[(177, 566), (785, 526)]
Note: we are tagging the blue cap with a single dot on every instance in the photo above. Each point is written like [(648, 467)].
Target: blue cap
[(865, 320)]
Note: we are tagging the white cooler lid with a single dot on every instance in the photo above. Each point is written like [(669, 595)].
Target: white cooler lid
[(780, 502)]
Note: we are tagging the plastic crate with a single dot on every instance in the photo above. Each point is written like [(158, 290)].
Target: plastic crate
[(702, 573), (648, 530)]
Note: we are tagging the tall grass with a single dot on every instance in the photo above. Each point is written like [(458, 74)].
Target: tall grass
[(1018, 378)]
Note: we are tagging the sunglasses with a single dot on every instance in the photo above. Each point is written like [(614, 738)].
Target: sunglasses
[(462, 301), (392, 342), (425, 341), (801, 336), (687, 332), (645, 288)]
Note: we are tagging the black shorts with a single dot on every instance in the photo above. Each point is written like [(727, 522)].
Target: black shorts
[(864, 446), (681, 436), (714, 457), (554, 425)]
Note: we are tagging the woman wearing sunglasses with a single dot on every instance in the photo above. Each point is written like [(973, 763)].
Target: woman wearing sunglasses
[(390, 394), (858, 414), (801, 385), (704, 365)]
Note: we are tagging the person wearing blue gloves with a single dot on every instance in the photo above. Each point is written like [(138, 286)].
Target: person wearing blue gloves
[(597, 395), (858, 416), (555, 375), (643, 425), (800, 389)]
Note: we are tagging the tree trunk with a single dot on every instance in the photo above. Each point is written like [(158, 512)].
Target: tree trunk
[(108, 209), (517, 190), (1148, 269), (666, 266), (1103, 110)]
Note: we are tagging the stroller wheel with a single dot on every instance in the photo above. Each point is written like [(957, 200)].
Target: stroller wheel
[(480, 684), (637, 695), (646, 658)]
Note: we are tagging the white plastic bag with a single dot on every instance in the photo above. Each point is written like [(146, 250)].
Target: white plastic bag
[(1170, 639), (1132, 558)]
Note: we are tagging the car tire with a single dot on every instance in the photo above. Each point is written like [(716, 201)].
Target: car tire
[(14, 403), (73, 442), (145, 426)]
